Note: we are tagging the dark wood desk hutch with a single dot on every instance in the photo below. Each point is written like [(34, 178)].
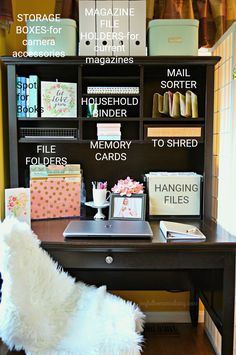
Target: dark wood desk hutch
[(142, 157), (206, 269)]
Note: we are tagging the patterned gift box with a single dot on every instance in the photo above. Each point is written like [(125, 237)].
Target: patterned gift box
[(54, 198)]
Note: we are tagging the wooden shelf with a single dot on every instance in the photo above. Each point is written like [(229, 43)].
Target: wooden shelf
[(126, 139), (39, 119), (48, 140), (109, 119), (110, 77), (140, 60), (173, 120), (125, 119), (139, 157)]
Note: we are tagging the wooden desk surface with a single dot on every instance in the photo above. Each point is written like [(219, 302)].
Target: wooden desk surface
[(50, 232), (202, 267)]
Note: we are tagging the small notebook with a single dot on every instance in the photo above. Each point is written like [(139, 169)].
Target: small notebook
[(180, 231)]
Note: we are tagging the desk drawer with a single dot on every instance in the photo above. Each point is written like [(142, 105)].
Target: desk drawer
[(135, 260)]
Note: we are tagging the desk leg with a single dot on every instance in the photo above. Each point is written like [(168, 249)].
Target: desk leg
[(228, 304), (194, 306)]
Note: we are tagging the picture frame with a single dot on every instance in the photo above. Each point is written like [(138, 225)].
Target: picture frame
[(127, 208)]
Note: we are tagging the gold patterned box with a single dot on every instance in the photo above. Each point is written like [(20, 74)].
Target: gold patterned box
[(55, 198)]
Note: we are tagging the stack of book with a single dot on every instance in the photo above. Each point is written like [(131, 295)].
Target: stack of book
[(27, 96), (109, 131), (113, 90), (58, 99)]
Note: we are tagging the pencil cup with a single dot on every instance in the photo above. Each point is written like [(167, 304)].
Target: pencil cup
[(100, 196)]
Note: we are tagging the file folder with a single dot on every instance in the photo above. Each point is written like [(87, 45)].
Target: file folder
[(86, 26), (123, 27), (174, 194), (104, 45), (138, 26)]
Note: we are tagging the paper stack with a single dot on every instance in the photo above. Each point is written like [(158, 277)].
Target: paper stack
[(109, 131), (180, 231), (174, 193), (175, 105), (113, 90)]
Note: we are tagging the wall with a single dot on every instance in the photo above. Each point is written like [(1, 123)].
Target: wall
[(14, 41), (3, 158), (150, 301), (223, 119)]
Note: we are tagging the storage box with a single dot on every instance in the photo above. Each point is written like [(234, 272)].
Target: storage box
[(174, 194), (173, 37), (51, 38), (54, 198)]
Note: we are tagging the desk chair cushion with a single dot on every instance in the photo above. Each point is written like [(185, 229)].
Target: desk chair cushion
[(45, 312)]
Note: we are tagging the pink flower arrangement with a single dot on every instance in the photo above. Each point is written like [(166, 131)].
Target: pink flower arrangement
[(128, 187)]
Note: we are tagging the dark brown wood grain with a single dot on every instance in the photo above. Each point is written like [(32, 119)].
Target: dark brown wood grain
[(188, 341)]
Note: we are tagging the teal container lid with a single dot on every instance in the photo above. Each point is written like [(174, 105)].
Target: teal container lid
[(59, 22), (175, 22)]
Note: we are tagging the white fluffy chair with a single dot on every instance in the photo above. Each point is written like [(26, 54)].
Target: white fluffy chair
[(45, 312)]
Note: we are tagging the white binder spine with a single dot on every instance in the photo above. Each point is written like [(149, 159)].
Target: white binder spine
[(138, 26), (122, 28), (87, 29), (103, 28)]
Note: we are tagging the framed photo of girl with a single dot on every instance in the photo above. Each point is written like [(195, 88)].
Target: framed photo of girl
[(127, 208)]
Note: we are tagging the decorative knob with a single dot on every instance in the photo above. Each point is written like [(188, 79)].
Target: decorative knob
[(109, 259)]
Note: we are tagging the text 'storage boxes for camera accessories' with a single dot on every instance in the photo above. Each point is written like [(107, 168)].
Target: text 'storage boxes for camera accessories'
[(174, 194), (51, 37), (173, 37)]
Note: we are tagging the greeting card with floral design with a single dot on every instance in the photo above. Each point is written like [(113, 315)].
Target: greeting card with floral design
[(17, 204), (58, 99)]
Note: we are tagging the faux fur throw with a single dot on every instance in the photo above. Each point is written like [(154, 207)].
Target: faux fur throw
[(45, 312)]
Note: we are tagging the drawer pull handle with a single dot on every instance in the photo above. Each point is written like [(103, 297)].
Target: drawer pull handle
[(109, 259)]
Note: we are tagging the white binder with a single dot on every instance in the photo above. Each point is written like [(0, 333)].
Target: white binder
[(180, 231), (123, 27), (87, 28), (101, 28), (138, 26)]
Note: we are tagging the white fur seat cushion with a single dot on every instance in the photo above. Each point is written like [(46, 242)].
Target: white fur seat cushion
[(45, 312)]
